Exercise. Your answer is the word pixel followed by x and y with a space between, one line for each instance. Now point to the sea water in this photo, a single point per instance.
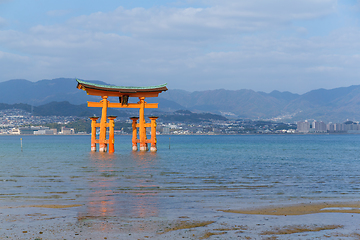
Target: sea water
pixel 187 174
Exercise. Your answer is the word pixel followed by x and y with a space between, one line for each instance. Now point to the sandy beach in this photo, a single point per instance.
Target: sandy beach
pixel 301 221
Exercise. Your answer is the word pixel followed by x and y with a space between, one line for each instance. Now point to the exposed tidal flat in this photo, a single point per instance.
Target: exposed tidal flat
pixel 203 187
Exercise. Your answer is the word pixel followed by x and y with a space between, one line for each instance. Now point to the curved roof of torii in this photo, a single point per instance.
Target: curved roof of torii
pixel 110 90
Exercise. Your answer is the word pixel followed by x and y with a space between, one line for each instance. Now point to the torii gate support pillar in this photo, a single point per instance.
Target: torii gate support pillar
pixel 93 133
pixel 135 140
pixel 104 144
pixel 153 124
pixel 111 133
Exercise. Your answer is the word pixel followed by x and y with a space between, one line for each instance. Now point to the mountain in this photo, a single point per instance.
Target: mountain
pixel 185 116
pixel 67 109
pixel 63 109
pixel 243 103
pixel 56 90
pixel 41 92
pixel 335 105
pixel 287 96
pixel 22 106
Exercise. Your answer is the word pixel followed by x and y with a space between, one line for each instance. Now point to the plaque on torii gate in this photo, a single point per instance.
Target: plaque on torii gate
pixel 138 123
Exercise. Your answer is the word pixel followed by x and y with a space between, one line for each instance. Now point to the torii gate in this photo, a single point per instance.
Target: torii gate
pixel 123 93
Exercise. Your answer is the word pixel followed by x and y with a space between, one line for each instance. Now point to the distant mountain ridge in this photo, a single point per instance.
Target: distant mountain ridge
pixel 335 105
pixel 41 92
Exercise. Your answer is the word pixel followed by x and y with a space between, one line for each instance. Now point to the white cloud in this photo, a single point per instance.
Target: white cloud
pixel 12 62
pixel 58 13
pixel 302 30
pixel 225 17
pixel 324 69
pixel 3 22
pixel 230 44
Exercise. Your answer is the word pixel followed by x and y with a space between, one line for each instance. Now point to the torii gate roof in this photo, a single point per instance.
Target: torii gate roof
pixel 110 90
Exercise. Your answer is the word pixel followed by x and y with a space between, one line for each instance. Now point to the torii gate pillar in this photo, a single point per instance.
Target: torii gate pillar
pixel 153 147
pixel 103 125
pixel 142 129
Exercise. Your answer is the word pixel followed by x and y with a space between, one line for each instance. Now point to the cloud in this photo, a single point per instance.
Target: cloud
pixel 3 22
pixel 58 13
pixel 324 69
pixel 224 17
pixel 12 62
pixel 302 30
pixel 226 44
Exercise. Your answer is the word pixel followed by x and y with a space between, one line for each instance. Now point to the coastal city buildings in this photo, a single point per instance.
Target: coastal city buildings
pixel 318 126
pixel 40 130
pixel 37 130
pixel 321 127
pixel 67 131
pixel 19 122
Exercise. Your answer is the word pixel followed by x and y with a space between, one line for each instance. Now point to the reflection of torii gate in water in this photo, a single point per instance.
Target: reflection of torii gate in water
pixel 123 93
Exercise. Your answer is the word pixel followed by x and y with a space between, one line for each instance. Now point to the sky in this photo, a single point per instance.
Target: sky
pixel 194 45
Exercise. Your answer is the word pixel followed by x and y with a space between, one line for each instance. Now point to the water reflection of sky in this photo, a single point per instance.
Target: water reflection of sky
pixel 117 193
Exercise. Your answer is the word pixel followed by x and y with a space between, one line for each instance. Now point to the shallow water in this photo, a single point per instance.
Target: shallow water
pixel 196 174
pixel 246 168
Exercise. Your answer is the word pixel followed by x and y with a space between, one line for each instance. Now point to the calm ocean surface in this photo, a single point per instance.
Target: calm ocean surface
pixel 196 173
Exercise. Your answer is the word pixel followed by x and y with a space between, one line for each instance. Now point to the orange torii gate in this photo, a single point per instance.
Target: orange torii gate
pixel 123 93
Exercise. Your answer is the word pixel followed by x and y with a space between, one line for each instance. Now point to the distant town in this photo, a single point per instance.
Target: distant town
pixel 20 122
pixel 321 127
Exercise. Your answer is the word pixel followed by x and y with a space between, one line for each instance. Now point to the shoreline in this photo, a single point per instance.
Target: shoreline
pixel 301 221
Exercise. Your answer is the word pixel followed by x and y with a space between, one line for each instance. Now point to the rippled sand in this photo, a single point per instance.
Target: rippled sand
pixel 302 221
pixel 302 209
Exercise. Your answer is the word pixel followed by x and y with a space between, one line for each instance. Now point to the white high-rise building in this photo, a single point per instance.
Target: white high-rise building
pixel 318 127
pixel 303 127
pixel 330 127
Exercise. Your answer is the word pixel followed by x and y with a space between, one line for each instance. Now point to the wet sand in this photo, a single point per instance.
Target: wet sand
pixel 302 209
pixel 301 221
